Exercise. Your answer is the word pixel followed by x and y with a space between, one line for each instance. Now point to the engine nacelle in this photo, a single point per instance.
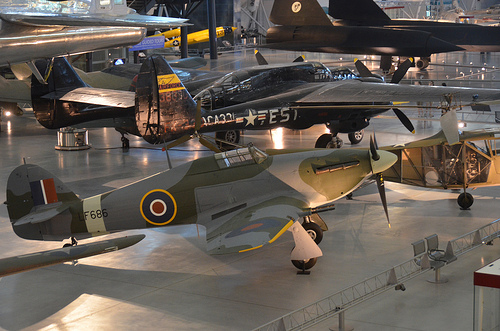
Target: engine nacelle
pixel 423 63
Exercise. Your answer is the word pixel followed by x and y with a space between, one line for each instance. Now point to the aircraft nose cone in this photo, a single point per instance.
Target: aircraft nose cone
pixel 436 45
pixel 387 159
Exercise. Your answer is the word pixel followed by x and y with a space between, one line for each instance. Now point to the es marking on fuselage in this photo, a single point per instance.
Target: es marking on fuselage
pixel 273 116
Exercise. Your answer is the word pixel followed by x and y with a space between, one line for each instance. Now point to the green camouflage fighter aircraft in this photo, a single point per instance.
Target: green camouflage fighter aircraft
pixel 244 198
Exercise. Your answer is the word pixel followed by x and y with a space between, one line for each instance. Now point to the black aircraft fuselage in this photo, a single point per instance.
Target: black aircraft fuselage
pixel 361 27
pixel 269 96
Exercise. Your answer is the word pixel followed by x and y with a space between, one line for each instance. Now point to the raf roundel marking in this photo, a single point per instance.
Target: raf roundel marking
pixel 158 207
pixel 296 6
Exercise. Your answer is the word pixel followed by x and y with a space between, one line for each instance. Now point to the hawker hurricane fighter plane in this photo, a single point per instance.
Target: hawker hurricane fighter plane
pixel 295 96
pixel 244 198
pixel 432 162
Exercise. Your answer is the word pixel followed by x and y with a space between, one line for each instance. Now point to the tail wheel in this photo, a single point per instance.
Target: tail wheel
pixel 465 200
pixel 356 137
pixel 305 265
pixel 314 230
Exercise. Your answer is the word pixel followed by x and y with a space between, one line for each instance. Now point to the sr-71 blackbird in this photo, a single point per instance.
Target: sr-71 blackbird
pixel 244 198
pixel 362 27
pixel 296 96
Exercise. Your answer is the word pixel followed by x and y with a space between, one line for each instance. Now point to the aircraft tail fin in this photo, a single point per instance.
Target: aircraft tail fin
pixel 293 12
pixel 34 196
pixel 357 10
pixel 60 78
pixel 164 109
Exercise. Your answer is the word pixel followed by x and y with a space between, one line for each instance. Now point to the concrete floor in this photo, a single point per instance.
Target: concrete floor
pixel 167 281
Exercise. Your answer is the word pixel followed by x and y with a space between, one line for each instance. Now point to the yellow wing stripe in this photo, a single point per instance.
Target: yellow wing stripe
pixel 249 249
pixel 282 231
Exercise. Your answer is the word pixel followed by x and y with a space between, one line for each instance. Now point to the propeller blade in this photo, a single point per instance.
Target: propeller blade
pixel 209 145
pixel 299 59
pixel 179 141
pixel 197 123
pixel 362 69
pixel 373 149
pixel 404 120
pixel 381 192
pixel 260 58
pixel 402 70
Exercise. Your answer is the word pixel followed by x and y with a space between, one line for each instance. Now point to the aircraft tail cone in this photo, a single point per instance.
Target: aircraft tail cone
pixel 305 247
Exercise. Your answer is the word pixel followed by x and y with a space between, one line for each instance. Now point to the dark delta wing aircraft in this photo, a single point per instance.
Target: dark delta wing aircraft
pixel 244 198
pixel 432 162
pixel 295 96
pixel 362 27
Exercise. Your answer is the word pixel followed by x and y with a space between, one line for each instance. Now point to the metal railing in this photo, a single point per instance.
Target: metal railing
pixel 337 303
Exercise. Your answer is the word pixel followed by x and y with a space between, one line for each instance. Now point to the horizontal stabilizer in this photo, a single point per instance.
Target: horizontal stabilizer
pixel 96 96
pixel 42 213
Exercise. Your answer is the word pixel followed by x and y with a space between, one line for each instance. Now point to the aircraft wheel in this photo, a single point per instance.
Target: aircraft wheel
pixel 465 200
pixel 356 137
pixel 305 265
pixel 314 230
pixel 327 141
pixel 125 143
pixel 232 136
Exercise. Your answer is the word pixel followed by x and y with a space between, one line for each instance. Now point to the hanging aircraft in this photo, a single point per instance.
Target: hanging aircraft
pixel 244 198
pixel 296 96
pixel 173 39
pixel 432 162
pixel 30 30
pixel 362 27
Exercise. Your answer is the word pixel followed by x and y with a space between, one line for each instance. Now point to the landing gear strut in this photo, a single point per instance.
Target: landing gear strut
pixel 231 136
pixel 125 143
pixel 329 140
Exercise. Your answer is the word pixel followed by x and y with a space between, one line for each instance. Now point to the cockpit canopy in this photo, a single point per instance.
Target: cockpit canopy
pixel 247 84
pixel 241 156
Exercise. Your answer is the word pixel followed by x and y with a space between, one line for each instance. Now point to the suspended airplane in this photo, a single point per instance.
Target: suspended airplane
pixel 172 39
pixel 362 27
pixel 296 96
pixel 432 162
pixel 29 31
pixel 244 198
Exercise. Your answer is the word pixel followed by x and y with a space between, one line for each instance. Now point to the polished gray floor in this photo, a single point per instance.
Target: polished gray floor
pixel 167 281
